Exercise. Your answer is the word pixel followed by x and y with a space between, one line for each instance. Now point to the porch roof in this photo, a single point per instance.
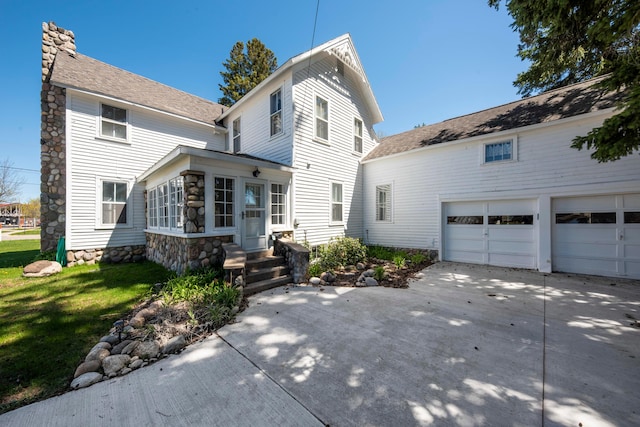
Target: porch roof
pixel 238 159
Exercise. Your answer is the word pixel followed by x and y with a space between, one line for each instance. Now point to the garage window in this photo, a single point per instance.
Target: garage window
pixel 632 217
pixel 469 219
pixel 586 218
pixel 510 219
pixel 498 152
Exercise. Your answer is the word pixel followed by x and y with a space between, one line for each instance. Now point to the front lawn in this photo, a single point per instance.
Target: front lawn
pixel 47 325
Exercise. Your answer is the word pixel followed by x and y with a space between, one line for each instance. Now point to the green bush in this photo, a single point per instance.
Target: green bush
pixel 399 261
pixel 342 251
pixel 315 269
pixel 418 258
pixel 378 273
pixel 380 252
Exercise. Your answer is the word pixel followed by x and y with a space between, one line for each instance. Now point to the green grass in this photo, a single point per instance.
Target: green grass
pixel 47 325
pixel 27 232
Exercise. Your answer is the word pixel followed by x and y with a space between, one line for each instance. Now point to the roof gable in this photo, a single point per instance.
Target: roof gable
pixel 87 74
pixel 342 47
pixel 569 101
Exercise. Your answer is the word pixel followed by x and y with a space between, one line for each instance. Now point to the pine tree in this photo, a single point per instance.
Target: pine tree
pixel 245 70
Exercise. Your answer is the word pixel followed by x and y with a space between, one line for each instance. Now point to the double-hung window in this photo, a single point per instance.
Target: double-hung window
pixel 114 203
pixel 163 205
pixel 383 202
pixel 278 204
pixel 236 135
pixel 322 119
pixel 357 135
pixel 152 207
pixel 276 112
pixel 336 202
pixel 223 204
pixel 113 122
pixel 498 152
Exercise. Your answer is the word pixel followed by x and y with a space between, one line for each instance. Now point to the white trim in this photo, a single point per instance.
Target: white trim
pixel 278 134
pixel 353 132
pixel 514 151
pixel 126 124
pixel 388 203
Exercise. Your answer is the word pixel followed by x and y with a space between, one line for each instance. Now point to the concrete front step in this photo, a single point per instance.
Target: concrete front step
pixel 264 285
pixel 264 262
pixel 257 275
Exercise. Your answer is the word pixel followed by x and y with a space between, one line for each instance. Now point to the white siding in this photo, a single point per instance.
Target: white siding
pixel 89 159
pixel 255 116
pixel 318 163
pixel 546 167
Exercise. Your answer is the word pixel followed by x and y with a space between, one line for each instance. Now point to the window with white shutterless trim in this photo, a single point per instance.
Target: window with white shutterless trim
pixel 336 202
pixel 275 109
pixel 357 135
pixel 321 113
pixel 502 151
pixel 113 203
pixel 383 203
pixel 114 122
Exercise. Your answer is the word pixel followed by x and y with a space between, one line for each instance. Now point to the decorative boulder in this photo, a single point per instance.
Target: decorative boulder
pixel 85 380
pixel 42 268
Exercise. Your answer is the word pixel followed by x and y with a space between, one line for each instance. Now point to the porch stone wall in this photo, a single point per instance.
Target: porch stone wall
pixel 53 139
pixel 296 256
pixel 178 253
pixel 194 212
pixel 113 255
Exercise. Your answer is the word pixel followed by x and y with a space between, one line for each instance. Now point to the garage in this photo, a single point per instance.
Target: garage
pixel 597 235
pixel 501 232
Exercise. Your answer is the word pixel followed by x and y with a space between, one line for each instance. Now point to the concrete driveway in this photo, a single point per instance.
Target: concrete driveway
pixel 464 345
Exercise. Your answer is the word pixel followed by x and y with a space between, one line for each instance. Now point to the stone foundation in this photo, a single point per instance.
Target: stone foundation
pixel 178 253
pixel 296 256
pixel 109 255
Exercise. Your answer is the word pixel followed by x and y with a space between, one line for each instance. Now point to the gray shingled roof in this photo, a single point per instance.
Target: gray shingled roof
pixel 91 75
pixel 557 104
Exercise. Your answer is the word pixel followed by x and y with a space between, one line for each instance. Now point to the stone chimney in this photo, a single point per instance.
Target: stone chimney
pixel 53 168
pixel 54 40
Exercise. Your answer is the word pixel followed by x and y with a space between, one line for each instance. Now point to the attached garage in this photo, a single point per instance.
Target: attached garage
pixel 501 233
pixel 597 235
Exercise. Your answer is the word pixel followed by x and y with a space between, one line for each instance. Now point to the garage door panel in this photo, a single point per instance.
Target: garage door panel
pixel 587 233
pixel 579 204
pixel 506 247
pixel 512 233
pixel 632 269
pixel 473 257
pixel 512 260
pixel 586 265
pixel 594 250
pixel 632 251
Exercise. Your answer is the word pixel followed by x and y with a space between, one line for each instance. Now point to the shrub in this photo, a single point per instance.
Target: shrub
pixel 315 269
pixel 399 261
pixel 380 252
pixel 378 273
pixel 418 258
pixel 343 251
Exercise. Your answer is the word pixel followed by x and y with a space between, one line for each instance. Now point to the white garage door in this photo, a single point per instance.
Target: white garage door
pixel 597 235
pixel 498 233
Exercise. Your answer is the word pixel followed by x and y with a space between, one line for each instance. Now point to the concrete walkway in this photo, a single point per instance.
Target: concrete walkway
pixel 464 345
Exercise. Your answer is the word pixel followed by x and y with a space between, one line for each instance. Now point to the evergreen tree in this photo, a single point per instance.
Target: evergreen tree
pixel 245 70
pixel 569 41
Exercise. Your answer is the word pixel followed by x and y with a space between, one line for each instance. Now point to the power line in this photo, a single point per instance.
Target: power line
pixel 22 169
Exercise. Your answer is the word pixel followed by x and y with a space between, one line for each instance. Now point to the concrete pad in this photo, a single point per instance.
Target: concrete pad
pixel 208 384
pixel 464 345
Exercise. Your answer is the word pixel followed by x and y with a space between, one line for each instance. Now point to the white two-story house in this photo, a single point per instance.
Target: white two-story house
pixel 134 169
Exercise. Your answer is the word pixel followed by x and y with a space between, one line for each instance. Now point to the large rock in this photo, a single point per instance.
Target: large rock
pixel 117 349
pixel 113 364
pixel 42 268
pixel 146 350
pixel 85 380
pixel 175 344
pixel 97 354
pixel 84 367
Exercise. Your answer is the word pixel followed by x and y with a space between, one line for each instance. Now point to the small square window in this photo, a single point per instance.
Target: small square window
pixel 498 152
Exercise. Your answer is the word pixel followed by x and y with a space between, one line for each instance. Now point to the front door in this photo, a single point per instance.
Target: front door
pixel 254 217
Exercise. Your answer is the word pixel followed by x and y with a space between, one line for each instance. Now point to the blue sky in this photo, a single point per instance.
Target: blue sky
pixel 427 60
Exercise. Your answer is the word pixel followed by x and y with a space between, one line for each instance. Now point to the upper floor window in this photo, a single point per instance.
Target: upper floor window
pixel 336 202
pixel 236 135
pixel 114 203
pixel 383 202
pixel 277 204
pixel 322 119
pixel 498 151
pixel 276 112
pixel 357 135
pixel 223 204
pixel 113 122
